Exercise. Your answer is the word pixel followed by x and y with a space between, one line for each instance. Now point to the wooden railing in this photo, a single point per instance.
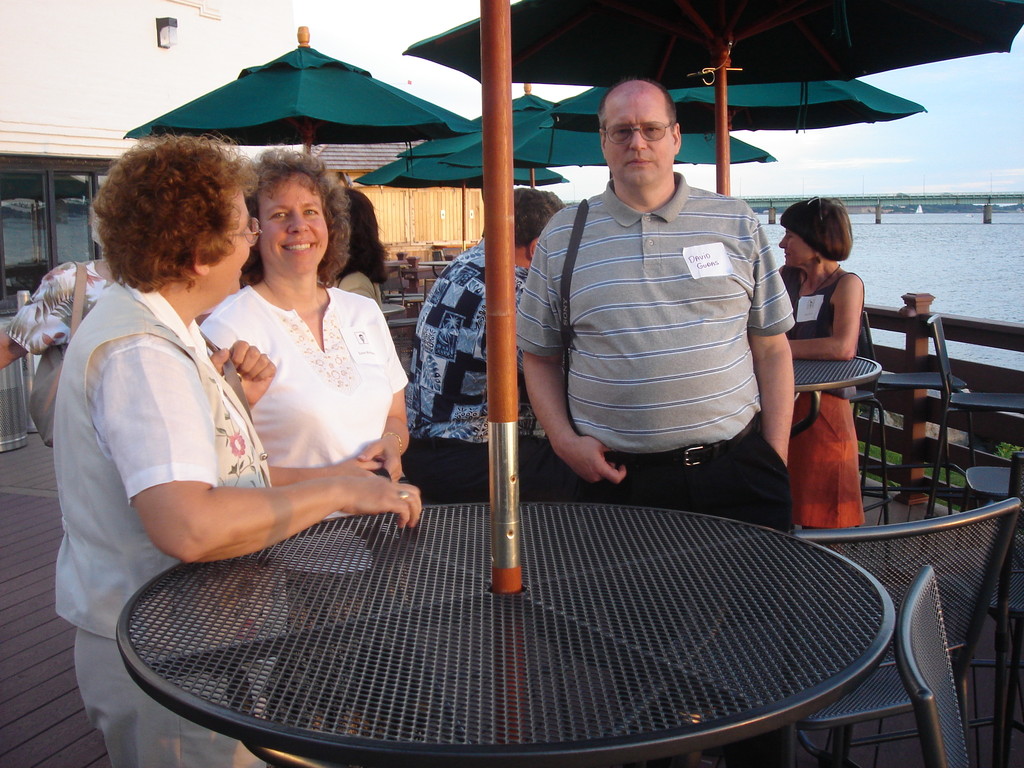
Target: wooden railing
pixel 915 439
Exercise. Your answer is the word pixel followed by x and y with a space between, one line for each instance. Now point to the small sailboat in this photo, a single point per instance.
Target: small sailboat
pixel 919 209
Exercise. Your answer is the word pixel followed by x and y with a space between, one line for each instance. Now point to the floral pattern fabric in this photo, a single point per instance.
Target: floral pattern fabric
pixel 46 320
pixel 333 364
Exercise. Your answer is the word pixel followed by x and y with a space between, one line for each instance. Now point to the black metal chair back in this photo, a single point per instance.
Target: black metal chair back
pixel 865 344
pixel 868 400
pixel 966 550
pixel 949 385
pixel 927 673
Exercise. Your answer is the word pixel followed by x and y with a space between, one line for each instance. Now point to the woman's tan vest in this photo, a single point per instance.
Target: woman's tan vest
pixel 106 555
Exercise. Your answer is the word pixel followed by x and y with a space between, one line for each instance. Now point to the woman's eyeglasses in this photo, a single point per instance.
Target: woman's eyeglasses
pixel 623 134
pixel 252 234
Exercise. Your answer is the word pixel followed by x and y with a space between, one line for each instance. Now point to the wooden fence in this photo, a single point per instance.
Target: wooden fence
pixel 414 220
pixel 914 434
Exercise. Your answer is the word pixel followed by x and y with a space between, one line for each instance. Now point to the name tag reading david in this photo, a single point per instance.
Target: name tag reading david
pixel 707 260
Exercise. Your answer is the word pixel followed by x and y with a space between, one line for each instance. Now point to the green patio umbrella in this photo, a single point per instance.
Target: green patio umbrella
pixel 432 172
pixel 305 97
pixel 539 144
pixel 762 106
pixel 599 42
pixel 525 109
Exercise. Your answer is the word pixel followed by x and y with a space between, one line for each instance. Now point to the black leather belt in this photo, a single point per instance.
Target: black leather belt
pixel 689 456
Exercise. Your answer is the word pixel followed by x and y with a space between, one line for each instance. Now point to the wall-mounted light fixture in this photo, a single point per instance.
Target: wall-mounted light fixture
pixel 166 32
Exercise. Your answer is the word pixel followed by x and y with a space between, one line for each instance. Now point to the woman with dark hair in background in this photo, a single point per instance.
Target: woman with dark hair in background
pixel 827 306
pixel 364 272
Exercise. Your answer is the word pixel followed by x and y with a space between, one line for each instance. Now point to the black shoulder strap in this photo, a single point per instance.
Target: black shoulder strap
pixel 567 268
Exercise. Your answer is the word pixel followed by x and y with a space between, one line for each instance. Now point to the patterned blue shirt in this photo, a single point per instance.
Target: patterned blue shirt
pixel 447 392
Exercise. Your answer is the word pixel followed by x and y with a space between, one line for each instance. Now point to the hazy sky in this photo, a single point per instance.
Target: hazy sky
pixel 971 139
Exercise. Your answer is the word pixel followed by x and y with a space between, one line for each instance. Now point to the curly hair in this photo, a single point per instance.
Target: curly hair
pixel 366 253
pixel 533 208
pixel 279 165
pixel 167 205
pixel 823 224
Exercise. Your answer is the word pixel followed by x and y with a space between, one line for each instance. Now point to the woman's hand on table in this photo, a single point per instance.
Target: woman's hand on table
pixel 374 495
pixel 384 453
pixel 254 368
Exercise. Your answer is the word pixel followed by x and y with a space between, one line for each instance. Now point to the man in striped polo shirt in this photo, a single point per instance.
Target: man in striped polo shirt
pixel 680 382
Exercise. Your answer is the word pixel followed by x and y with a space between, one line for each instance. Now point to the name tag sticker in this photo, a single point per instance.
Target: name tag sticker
pixel 708 260
pixel 358 341
pixel 808 308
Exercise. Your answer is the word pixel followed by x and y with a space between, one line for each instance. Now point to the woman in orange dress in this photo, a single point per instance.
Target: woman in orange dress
pixel 827 306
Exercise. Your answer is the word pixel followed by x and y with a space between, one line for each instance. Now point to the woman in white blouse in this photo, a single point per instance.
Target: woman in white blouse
pixel 339 392
pixel 157 461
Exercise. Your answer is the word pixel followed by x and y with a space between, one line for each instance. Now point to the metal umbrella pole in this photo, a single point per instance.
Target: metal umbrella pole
pixel 502 387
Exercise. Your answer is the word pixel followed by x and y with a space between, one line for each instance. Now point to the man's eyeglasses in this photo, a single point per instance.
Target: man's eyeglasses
pixel 252 234
pixel 623 134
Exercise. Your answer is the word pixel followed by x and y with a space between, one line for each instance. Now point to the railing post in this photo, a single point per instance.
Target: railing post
pixel 913 405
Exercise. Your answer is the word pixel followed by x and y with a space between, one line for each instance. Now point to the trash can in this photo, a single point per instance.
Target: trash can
pixel 13 409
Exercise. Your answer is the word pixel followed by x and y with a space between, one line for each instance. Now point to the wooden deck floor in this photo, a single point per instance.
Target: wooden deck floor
pixel 42 722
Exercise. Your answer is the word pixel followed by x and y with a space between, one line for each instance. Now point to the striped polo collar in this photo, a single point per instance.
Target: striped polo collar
pixel 627 216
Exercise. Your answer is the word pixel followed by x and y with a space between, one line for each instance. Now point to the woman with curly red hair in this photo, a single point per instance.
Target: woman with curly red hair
pixel 157 460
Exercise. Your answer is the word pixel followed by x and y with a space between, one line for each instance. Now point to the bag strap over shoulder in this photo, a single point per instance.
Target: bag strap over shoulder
pixel 231 377
pixel 78 297
pixel 568 265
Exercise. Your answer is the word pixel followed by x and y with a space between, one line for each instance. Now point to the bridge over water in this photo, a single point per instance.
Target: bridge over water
pixel 777 203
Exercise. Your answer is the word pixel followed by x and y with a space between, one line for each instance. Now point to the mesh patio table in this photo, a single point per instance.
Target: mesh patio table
pixel 640 633
pixel 816 376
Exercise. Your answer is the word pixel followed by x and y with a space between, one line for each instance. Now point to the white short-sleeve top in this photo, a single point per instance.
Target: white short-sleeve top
pixel 323 406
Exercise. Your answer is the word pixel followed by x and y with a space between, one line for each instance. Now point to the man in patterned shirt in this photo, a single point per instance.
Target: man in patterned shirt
pixel 446 398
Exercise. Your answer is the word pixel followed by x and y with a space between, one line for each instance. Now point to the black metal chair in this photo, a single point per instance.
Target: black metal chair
pixel 945 383
pixel 889 382
pixel 966 550
pixel 868 400
pixel 403 331
pixel 923 661
pixel 983 482
pixel 1008 610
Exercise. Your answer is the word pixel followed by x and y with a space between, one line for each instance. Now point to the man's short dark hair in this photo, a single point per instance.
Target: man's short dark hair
pixel 670 106
pixel 533 208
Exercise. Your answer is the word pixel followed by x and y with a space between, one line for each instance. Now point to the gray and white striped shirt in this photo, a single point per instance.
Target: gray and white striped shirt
pixel 661 357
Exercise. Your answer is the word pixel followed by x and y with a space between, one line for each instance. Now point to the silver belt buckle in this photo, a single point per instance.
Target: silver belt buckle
pixel 696 460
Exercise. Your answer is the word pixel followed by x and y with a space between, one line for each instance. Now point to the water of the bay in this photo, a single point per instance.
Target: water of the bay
pixel 970 268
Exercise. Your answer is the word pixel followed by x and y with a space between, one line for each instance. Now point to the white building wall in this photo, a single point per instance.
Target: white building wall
pixel 77 75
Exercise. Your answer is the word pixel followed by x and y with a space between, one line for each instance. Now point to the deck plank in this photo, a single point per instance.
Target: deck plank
pixel 42 718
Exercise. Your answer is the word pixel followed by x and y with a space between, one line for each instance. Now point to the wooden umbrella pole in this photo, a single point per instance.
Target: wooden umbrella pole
pixel 722 157
pixel 502 388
